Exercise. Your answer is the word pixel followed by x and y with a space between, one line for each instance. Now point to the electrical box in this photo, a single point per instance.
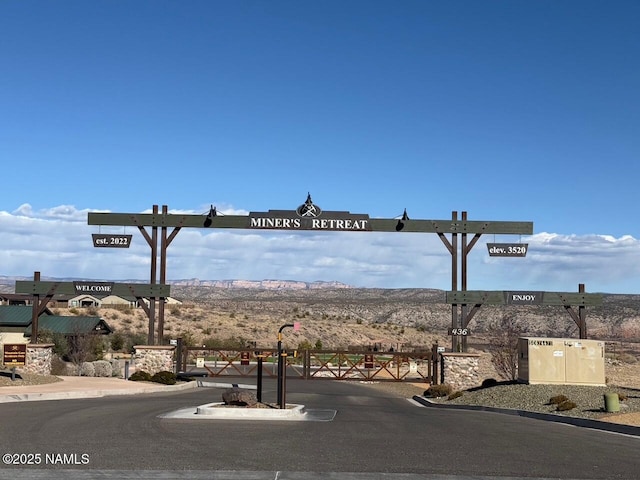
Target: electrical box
pixel 566 361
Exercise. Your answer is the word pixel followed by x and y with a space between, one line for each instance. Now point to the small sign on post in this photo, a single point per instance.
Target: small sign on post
pixel 507 249
pixel 15 354
pixel 101 240
pixel 459 332
pixel 524 298
pixel 244 358
pixel 368 360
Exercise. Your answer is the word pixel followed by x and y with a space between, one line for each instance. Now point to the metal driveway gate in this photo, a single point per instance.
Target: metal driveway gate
pixel 420 366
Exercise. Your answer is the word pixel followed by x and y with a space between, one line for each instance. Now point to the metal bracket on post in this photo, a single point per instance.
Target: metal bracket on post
pixel 282 366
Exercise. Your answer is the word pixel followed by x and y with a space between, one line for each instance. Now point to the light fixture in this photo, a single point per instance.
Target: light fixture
pixel 212 213
pixel 400 224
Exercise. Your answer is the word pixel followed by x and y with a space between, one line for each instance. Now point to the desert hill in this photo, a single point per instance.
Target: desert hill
pixel 336 315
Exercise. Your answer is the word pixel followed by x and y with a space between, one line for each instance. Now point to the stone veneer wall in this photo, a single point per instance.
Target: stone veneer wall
pixel 39 357
pixel 461 370
pixel 154 358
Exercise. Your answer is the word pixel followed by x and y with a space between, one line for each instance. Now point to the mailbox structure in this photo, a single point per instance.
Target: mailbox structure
pixel 563 361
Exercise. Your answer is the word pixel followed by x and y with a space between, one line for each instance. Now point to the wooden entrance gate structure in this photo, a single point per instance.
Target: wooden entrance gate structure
pixel 309 216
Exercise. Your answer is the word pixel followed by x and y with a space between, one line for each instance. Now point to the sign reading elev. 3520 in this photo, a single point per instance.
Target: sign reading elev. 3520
pixel 507 249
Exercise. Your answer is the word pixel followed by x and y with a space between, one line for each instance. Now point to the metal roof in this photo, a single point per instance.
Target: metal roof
pixel 71 325
pixel 18 315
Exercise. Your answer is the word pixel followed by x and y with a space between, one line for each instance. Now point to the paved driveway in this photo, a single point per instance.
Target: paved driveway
pixel 372 436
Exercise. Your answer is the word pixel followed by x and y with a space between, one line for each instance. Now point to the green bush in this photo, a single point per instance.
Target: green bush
pixel 164 377
pixel 87 369
pixel 437 391
pixel 140 376
pixel 117 342
pixel 558 399
pixel 102 368
pixel 566 405
pixel 454 395
pixel 58 366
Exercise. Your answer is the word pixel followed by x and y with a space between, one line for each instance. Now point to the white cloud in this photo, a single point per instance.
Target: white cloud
pixel 57 243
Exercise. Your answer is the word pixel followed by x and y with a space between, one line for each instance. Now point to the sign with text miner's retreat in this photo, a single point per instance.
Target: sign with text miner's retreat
pixel 309 216
pixel 102 240
pixel 15 354
pixel 507 249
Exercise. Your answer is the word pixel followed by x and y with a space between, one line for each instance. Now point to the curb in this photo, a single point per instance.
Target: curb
pixel 578 422
pixel 33 397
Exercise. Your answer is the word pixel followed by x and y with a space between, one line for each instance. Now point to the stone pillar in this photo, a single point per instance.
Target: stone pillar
pixel 38 361
pixel 154 358
pixel 461 370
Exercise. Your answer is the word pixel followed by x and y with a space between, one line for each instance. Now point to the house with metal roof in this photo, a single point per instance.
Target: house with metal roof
pixel 14 319
pixel 15 324
pixel 119 301
pixel 71 326
pixel 86 300
pixel 15 299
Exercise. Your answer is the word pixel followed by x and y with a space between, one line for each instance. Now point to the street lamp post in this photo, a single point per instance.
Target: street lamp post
pixel 282 365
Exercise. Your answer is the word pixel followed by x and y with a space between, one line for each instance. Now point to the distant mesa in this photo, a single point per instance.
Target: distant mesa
pixel 195 282
pixel 259 284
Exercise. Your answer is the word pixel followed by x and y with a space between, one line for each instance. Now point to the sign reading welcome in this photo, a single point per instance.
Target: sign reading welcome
pixel 93 287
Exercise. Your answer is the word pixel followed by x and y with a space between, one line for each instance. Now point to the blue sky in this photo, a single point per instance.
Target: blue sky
pixel 509 110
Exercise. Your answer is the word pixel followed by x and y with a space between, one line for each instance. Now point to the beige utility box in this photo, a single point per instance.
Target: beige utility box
pixel 566 361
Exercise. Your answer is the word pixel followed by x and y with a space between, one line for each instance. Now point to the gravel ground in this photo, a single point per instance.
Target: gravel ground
pixel 25 379
pixel 536 398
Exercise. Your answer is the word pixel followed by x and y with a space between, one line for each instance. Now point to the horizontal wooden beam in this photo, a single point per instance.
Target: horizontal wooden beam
pixel 498 297
pixel 139 290
pixel 244 222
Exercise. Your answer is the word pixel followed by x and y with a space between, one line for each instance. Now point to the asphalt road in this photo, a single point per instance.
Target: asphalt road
pixel 372 436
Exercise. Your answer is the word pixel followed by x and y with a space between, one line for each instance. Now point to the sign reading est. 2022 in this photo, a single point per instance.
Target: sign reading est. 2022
pixel 111 241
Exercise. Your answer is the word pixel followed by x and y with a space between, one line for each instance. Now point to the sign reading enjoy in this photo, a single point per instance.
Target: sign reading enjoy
pixel 523 298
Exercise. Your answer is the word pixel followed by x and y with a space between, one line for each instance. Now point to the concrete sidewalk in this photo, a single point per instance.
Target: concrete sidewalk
pixel 84 387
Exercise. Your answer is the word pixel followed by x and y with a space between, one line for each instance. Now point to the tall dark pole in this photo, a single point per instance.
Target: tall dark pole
pixel 582 315
pixel 282 367
pixel 153 280
pixel 35 311
pixel 454 282
pixel 463 308
pixel 260 356
pixel 163 276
